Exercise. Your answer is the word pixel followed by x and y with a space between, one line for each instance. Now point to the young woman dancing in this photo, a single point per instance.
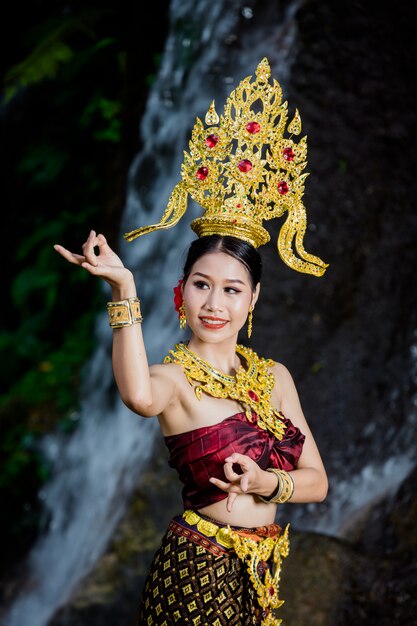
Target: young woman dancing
pixel 231 420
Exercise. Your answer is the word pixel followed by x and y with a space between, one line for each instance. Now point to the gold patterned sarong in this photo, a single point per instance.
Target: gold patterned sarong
pixel 208 573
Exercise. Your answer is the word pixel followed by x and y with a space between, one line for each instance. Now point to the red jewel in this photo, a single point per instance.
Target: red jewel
pixel 253 128
pixel 252 395
pixel 282 188
pixel 212 141
pixel 271 591
pixel 202 173
pixel 245 165
pixel 288 154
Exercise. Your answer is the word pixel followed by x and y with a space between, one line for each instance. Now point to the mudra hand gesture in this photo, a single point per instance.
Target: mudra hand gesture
pixel 248 482
pixel 106 264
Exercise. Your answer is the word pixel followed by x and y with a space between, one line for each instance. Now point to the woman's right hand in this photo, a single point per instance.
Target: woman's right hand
pixel 106 264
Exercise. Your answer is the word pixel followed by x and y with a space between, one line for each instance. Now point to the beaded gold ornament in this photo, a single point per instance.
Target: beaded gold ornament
pixel 242 170
pixel 285 487
pixel 254 552
pixel 252 387
pixel 124 313
pixel 250 321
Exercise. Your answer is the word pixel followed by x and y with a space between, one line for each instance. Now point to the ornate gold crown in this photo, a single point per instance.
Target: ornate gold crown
pixel 242 170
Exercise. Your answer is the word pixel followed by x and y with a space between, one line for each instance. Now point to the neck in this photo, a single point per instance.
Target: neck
pixel 221 356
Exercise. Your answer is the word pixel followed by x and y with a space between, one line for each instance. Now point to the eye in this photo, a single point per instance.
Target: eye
pixel 231 290
pixel 200 284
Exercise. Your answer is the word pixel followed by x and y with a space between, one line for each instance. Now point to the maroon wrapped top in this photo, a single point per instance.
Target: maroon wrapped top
pixel 200 454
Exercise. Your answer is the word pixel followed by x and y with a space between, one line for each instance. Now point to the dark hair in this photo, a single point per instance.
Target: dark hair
pixel 236 248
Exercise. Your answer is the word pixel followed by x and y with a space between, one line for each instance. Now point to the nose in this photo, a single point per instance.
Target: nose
pixel 213 302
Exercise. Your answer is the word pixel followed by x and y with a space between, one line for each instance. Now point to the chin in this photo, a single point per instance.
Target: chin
pixel 214 336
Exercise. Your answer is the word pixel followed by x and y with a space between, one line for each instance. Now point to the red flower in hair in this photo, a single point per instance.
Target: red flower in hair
pixel 178 296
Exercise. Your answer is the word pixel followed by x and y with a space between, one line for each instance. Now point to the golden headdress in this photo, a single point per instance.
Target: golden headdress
pixel 242 170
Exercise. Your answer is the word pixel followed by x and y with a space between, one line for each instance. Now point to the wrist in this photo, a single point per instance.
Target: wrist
pixel 268 484
pixel 124 289
pixel 284 490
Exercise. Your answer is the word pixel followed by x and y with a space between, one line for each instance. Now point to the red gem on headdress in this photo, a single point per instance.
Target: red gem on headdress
pixel 202 172
pixel 178 296
pixel 212 141
pixel 253 396
pixel 283 188
pixel 245 165
pixel 253 127
pixel 288 154
pixel 271 591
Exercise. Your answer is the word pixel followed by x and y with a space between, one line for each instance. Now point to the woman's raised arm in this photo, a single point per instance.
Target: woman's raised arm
pixel 135 380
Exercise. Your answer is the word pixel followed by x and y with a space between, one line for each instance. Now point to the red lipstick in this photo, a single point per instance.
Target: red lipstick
pixel 213 323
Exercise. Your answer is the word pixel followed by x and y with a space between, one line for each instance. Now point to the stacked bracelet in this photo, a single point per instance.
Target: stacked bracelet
pixel 124 313
pixel 285 487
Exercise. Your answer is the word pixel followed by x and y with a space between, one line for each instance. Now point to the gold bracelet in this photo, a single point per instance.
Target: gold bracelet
pixel 284 490
pixel 124 313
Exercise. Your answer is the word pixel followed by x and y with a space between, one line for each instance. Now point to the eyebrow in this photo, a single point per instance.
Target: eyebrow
pixel 227 280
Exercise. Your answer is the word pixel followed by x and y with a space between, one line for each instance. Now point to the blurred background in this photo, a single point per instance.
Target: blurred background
pixel 98 102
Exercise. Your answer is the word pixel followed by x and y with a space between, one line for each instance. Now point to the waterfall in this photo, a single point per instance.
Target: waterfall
pixel 211 46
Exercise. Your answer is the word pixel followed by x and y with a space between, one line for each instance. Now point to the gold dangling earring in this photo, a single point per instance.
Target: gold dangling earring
pixel 250 317
pixel 183 319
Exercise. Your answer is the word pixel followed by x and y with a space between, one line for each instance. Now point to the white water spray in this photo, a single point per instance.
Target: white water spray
pixel 97 468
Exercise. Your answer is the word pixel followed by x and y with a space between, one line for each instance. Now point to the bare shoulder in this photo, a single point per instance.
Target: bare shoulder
pixel 167 384
pixel 284 387
pixel 171 374
pixel 282 374
pixel 171 371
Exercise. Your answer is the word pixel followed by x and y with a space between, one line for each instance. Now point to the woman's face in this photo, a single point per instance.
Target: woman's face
pixel 217 296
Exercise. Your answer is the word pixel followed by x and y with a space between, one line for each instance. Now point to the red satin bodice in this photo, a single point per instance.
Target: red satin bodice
pixel 199 454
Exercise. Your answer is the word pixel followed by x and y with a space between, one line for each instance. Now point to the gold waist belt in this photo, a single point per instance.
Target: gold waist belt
pixel 260 549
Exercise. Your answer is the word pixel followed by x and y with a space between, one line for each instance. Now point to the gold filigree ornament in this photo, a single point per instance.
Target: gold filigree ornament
pixel 254 554
pixel 251 386
pixel 242 170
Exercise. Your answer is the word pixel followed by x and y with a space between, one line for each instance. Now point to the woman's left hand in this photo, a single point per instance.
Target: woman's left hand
pixel 248 482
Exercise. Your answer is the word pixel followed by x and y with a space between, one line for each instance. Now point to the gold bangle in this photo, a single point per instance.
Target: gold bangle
pixel 284 490
pixel 124 313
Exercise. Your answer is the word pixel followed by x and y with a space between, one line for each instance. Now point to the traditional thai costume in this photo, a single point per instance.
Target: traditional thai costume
pixel 206 572
pixel 242 170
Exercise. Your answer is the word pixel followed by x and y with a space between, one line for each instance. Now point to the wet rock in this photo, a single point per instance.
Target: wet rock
pixel 111 593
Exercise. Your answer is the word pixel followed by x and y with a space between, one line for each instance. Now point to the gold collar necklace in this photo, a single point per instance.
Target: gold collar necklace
pixel 251 387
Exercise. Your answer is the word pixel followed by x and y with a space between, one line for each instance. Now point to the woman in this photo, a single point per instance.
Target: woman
pixel 232 421
pixel 221 283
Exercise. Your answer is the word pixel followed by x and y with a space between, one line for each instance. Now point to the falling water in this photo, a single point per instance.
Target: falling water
pixel 96 469
pixel 211 46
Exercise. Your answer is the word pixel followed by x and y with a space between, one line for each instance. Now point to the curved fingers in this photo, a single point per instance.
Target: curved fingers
pixel 241 459
pixel 88 248
pixel 229 487
pixel 220 484
pixel 230 500
pixel 230 474
pixel 77 259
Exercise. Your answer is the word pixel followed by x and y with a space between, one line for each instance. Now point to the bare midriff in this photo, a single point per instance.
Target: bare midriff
pixel 247 511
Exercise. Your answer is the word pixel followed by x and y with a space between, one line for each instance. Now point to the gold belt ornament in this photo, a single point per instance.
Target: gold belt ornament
pixel 221 534
pixel 255 552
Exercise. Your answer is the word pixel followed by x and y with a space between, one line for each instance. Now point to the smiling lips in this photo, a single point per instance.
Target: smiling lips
pixel 214 323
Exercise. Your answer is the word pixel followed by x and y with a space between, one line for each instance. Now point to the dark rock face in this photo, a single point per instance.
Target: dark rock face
pixel 347 338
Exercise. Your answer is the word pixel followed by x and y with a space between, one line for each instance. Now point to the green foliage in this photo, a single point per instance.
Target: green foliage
pixel 105 113
pixel 44 62
pixel 64 103
pixel 43 163
pixel 52 50
pixel 65 144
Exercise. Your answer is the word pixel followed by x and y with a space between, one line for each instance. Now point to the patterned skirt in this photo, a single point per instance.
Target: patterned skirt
pixel 206 573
